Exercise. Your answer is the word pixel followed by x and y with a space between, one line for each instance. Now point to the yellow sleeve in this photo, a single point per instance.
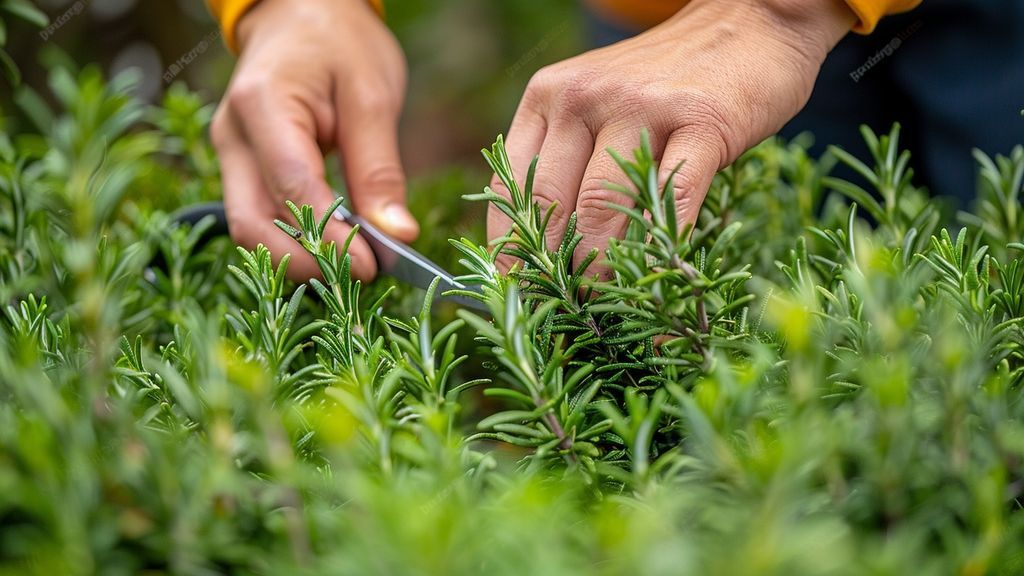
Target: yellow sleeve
pixel 869 12
pixel 229 12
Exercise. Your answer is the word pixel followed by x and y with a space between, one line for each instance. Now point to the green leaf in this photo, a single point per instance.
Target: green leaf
pixel 10 69
pixel 24 10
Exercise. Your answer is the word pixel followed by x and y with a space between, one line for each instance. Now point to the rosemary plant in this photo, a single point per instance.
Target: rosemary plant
pixel 817 378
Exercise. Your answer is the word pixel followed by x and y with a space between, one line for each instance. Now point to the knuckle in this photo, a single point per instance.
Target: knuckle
pixel 247 95
pixel 548 197
pixel 570 90
pixel 688 200
pixel 535 96
pixel 291 180
pixel 689 204
pixel 220 129
pixel 542 80
pixel 373 100
pixel 545 193
pixel 550 191
pixel 383 176
pixel 596 189
pixel 708 124
pixel 578 93
pixel 594 203
pixel 684 182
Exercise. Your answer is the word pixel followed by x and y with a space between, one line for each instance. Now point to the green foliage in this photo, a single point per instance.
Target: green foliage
pixel 16 10
pixel 785 388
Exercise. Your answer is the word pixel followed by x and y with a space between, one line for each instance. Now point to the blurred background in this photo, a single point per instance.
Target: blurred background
pixel 463 86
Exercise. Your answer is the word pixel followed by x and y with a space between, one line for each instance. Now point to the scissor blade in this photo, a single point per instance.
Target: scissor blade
pixel 406 265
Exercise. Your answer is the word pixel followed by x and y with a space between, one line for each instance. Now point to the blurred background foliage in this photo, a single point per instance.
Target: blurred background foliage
pixel 463 86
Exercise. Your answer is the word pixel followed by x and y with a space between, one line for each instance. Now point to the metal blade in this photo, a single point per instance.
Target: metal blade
pixel 406 265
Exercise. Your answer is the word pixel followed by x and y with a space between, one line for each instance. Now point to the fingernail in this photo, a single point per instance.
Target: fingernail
pixel 396 220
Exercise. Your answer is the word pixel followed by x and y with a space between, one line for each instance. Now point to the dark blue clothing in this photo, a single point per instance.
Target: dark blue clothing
pixel 951 72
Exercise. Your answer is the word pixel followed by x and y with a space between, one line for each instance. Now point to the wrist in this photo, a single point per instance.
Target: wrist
pixel 243 29
pixel 277 13
pixel 811 27
pixel 818 24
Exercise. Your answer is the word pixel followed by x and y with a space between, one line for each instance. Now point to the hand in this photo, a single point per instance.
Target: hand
pixel 313 76
pixel 708 84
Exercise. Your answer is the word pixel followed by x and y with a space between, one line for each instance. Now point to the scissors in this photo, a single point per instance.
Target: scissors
pixel 394 258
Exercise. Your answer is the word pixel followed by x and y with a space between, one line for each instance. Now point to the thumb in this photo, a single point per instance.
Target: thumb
pixel 373 171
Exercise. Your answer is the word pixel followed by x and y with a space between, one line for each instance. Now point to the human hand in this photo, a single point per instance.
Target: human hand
pixel 708 84
pixel 313 76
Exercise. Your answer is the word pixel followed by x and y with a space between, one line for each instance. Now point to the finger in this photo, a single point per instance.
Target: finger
pixel 525 137
pixel 597 222
pixel 368 137
pixel 251 210
pixel 697 157
pixel 284 147
pixel 564 157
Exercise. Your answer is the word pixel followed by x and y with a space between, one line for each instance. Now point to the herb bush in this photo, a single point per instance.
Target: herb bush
pixel 820 379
